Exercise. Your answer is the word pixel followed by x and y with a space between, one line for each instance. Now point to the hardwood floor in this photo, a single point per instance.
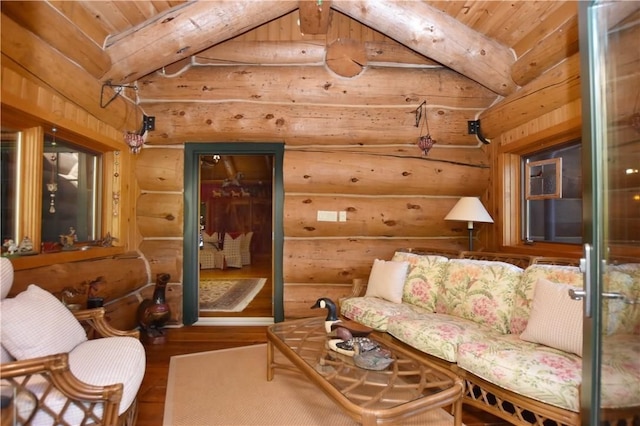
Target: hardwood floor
pixel 199 339
pixel 261 305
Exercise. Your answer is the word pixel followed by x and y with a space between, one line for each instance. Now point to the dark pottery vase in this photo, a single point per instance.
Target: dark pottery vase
pixel 95 302
pixel 153 314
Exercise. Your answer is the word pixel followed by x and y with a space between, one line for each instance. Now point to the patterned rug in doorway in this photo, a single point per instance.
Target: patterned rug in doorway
pixel 228 295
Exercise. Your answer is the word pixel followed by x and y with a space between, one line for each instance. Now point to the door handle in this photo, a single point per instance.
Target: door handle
pixel 585 267
pixel 576 294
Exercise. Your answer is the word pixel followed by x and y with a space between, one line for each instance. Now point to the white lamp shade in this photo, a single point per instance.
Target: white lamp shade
pixel 469 209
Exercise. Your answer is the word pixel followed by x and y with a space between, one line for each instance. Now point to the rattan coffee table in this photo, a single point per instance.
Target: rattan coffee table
pixel 409 386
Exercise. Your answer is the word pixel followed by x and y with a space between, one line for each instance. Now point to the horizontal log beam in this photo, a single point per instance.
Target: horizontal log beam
pixel 380 216
pixel 558 86
pixel 304 52
pixel 66 78
pixel 303 124
pixel 340 260
pixel 438 36
pixel 46 22
pixel 342 173
pixel 549 51
pixel 183 31
pixel 315 84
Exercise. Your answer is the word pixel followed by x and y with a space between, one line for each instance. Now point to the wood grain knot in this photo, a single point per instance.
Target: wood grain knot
pixel 406 174
pixel 390 222
pixel 354 180
pixel 170 217
pixel 413 206
pixel 307 201
pixel 351 209
pixel 309 228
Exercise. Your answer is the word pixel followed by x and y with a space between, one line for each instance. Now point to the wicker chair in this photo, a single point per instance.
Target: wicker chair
pixel 95 381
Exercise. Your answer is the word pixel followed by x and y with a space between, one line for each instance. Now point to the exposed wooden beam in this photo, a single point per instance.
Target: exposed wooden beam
pixel 438 36
pixel 316 85
pixel 553 89
pixel 183 31
pixel 314 16
pixel 550 50
pixel 68 79
pixel 239 52
pixel 50 25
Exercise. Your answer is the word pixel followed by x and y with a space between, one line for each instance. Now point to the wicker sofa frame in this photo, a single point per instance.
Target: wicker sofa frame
pixel 55 369
pixel 479 393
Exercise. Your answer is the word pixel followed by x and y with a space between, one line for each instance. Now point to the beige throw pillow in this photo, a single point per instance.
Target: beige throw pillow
pixel 386 280
pixel 556 319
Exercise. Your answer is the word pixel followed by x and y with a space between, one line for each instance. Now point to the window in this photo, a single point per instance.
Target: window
pixel 70 198
pixel 51 185
pixel 552 188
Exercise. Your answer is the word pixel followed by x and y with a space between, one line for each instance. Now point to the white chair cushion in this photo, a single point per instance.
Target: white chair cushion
pixel 6 277
pixel 111 360
pixel 35 323
pixel 231 249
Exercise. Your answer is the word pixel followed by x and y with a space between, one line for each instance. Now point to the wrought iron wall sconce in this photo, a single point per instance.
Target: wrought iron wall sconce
pixel 117 90
pixel 135 140
pixel 474 129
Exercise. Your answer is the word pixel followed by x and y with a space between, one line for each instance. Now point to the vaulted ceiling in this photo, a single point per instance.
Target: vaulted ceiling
pixel 488 51
pixel 483 40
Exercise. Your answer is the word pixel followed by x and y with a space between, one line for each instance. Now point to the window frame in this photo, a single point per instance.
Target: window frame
pixel 30 194
pixel 510 184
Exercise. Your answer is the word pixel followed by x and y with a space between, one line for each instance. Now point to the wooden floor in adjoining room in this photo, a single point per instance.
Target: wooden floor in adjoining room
pixel 207 338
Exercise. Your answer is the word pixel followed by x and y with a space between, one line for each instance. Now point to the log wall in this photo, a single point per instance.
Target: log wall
pixel 350 143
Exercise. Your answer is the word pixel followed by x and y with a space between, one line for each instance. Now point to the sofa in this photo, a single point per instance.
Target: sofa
pixel 64 367
pixel 508 326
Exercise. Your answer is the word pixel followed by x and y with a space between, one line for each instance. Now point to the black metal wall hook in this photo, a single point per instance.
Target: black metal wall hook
pixel 474 129
pixel 117 88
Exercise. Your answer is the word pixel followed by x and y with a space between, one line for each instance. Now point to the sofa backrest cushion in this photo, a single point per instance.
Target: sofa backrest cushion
pixel 35 323
pixel 481 291
pixel 6 277
pixel 386 280
pixel 569 275
pixel 425 277
pixel 556 319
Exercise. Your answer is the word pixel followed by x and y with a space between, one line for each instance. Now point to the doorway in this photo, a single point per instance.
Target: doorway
pixel 233 234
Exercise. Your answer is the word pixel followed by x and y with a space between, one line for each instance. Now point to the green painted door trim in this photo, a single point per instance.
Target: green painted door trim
pixel 192 152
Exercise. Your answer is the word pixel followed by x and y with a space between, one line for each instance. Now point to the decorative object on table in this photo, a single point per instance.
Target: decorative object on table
pixel 347 347
pixel 10 245
pixel 153 314
pixel 68 240
pixel 93 298
pixel 69 296
pixel 332 321
pixel 107 241
pixel 375 359
pixel 25 246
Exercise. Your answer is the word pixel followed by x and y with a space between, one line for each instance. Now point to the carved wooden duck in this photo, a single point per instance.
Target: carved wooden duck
pixel 376 359
pixel 332 321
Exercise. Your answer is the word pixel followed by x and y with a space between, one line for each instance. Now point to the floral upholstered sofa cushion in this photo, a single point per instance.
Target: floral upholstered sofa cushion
pixel 481 291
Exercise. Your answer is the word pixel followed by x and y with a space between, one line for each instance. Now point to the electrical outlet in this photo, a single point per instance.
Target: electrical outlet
pixel 327 216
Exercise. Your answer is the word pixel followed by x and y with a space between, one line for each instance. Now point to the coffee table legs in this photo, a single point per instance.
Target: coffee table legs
pixel 269 360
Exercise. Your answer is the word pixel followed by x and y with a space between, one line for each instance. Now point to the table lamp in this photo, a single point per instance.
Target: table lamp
pixel 469 209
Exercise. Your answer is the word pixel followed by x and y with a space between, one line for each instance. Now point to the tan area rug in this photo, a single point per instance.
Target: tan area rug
pixel 228 295
pixel 230 387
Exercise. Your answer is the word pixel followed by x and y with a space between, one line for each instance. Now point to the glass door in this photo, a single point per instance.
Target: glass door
pixel 610 76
